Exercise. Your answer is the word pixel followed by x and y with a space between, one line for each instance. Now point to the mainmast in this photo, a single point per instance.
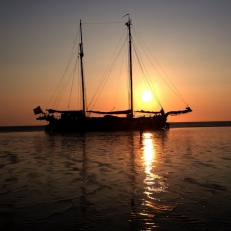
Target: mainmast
pixel 128 24
pixel 81 66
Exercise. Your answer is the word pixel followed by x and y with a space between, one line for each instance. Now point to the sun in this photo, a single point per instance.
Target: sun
pixel 146 96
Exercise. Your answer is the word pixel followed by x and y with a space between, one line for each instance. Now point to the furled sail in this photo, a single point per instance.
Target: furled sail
pixel 76 112
pixel 187 110
pixel 152 112
pixel 112 112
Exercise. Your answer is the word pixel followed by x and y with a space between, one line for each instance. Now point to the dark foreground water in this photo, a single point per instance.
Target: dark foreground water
pixel 167 180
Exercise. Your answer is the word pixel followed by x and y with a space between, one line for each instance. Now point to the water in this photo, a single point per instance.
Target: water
pixel 166 180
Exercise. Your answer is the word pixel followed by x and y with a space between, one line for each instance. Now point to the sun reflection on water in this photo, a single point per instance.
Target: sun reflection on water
pixel 153 182
pixel 148 152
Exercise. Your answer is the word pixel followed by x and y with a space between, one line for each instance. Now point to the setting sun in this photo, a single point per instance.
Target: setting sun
pixel 146 96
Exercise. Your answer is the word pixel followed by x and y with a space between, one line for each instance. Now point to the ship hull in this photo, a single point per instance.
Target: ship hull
pixel 107 123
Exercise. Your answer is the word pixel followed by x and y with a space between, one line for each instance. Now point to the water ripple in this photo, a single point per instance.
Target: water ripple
pixel 165 180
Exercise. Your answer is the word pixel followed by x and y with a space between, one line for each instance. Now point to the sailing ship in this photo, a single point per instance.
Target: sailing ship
pixel 78 121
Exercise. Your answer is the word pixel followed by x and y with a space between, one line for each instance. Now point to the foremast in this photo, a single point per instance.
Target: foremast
pixel 128 24
pixel 81 54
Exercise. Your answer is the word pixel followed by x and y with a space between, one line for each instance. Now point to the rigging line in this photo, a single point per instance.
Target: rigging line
pixel 153 66
pixel 148 82
pixel 60 90
pixel 106 75
pixel 102 79
pixel 177 117
pixel 64 89
pixel 72 81
pixel 68 64
pixel 144 76
pixel 112 66
pixel 119 79
pixel 112 109
pixel 64 74
pixel 65 81
pixel 101 22
pixel 175 91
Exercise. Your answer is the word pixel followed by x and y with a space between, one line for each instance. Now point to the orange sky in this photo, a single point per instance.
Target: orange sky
pixel 191 42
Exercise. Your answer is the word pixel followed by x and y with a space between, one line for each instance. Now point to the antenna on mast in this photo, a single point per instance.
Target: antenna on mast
pixel 125 15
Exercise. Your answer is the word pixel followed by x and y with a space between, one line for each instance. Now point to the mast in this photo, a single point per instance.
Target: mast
pixel 128 24
pixel 81 66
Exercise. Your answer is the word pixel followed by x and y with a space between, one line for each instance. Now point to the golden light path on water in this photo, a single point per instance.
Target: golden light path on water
pixel 164 180
pixel 149 159
pixel 154 185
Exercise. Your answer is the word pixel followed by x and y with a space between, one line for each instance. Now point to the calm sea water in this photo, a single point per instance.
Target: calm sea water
pixel 166 180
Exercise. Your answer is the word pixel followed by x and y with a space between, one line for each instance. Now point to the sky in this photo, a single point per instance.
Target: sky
pixel 189 39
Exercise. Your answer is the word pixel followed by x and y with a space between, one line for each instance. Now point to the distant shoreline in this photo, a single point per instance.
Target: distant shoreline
pixel 200 124
pixel 36 128
pixel 28 128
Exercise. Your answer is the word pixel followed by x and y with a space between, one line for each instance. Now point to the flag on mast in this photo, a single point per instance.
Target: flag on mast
pixel 37 110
